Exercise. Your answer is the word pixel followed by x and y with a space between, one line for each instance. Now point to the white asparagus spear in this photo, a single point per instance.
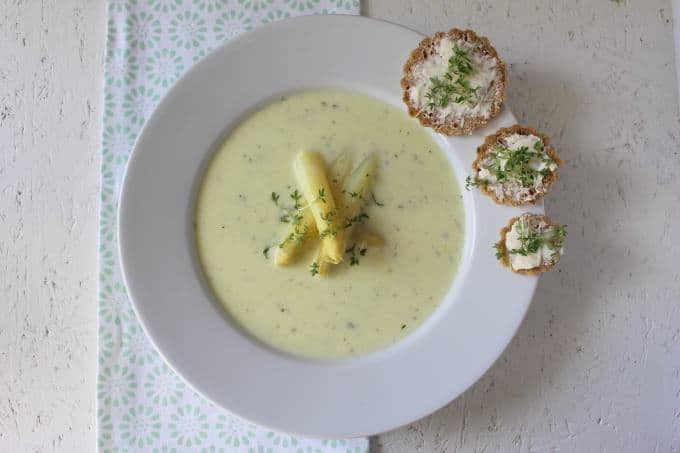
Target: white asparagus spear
pixel 302 227
pixel 355 192
pixel 293 241
pixel 350 200
pixel 338 172
pixel 313 181
pixel 362 236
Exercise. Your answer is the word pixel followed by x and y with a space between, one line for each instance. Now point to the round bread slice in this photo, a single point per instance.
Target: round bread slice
pixel 522 235
pixel 454 82
pixel 515 166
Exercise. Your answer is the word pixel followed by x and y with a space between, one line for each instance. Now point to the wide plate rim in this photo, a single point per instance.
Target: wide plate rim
pixel 341 423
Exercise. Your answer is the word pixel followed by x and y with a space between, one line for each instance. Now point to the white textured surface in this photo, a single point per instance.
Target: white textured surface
pixel 50 78
pixel 594 367
pixel 676 35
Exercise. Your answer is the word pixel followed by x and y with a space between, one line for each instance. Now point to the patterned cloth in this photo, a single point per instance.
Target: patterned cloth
pixel 142 404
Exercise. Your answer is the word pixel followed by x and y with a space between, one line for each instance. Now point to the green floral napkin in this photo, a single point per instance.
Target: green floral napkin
pixel 142 404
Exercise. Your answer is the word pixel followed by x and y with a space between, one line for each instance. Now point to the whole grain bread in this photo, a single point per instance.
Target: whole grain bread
pixel 502 250
pixel 491 140
pixel 453 126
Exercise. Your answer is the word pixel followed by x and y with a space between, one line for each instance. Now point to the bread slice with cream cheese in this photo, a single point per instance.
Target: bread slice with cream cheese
pixel 515 166
pixel 530 244
pixel 454 82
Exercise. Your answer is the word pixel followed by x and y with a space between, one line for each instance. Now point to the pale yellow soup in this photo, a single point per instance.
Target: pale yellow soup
pixel 356 309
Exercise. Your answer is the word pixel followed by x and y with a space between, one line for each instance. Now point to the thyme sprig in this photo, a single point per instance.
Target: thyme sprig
pixel 354 254
pixel 322 195
pixel 358 195
pixel 294 216
pixel 377 203
pixel 296 196
pixel 329 218
pixel 356 219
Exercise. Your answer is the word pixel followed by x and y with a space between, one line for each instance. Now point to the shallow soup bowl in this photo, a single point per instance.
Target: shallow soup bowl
pixel 368 394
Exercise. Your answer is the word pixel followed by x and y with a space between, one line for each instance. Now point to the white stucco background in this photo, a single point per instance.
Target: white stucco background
pixel 594 367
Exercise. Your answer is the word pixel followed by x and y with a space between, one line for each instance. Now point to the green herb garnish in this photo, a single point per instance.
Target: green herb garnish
pixel 289 213
pixel 322 195
pixel 353 194
pixel 265 252
pixel 556 241
pixel 330 231
pixel 454 86
pixel 353 259
pixel 296 196
pixel 499 254
pixel 288 239
pixel 353 251
pixel 509 165
pixel 474 182
pixel 356 219
pixel 532 240
pixel 298 235
pixel 328 218
pixel 301 234
pixel 314 268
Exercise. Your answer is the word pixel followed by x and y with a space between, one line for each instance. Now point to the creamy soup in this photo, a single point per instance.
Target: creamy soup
pixel 360 306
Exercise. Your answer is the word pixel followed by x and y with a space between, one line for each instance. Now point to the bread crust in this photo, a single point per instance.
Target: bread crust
pixel 452 126
pixel 482 150
pixel 505 259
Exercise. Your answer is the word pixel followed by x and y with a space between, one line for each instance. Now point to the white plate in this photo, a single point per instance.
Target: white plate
pixel 343 398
